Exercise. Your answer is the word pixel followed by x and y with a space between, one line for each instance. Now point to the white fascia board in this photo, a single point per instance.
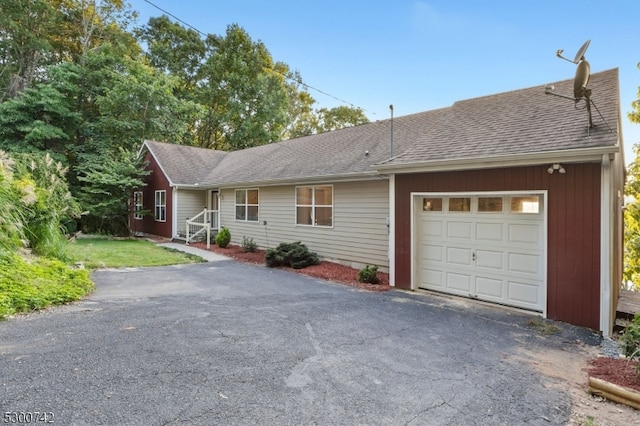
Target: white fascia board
pixel 528 159
pixel 193 186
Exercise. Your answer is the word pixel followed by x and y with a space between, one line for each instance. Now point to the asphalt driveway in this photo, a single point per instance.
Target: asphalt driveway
pixel 229 343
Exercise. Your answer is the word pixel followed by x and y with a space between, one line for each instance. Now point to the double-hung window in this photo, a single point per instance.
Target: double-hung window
pixel 160 211
pixel 314 205
pixel 247 205
pixel 137 204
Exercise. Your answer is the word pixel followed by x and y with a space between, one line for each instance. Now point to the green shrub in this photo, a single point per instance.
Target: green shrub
pixel 630 341
pixel 368 274
pixel 223 238
pixel 295 255
pixel 27 285
pixel 248 245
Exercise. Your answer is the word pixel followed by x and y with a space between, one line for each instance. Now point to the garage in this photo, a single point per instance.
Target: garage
pixel 486 246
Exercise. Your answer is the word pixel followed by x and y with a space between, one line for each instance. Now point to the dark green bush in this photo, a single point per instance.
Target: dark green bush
pixel 223 238
pixel 295 255
pixel 630 341
pixel 248 245
pixel 368 274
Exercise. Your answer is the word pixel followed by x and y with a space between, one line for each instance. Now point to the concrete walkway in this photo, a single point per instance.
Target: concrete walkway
pixel 209 256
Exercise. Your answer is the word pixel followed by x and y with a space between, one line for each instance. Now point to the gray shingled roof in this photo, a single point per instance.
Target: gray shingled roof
pixel 517 122
pixel 184 165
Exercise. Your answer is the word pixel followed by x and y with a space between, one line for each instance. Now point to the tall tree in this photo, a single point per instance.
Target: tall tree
pixel 245 96
pixel 43 117
pixel 25 27
pixel 632 210
pixel 108 185
pixel 87 24
pixel 339 117
pixel 175 50
pixel 140 103
pixel 301 117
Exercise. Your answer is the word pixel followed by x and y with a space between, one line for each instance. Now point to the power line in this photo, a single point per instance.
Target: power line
pixel 299 81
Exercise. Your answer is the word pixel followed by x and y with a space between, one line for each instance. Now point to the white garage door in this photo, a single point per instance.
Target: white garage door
pixel 489 247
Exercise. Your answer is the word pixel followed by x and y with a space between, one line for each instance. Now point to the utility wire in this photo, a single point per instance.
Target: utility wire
pixel 299 81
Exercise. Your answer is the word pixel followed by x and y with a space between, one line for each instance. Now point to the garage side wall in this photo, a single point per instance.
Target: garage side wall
pixel 573 234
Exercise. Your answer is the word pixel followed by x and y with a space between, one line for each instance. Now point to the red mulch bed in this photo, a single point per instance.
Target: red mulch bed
pixel 619 371
pixel 325 270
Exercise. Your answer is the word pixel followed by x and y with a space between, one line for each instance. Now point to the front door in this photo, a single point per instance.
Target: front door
pixel 214 207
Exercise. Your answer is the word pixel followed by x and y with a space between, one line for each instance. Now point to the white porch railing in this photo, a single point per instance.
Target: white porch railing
pixel 202 224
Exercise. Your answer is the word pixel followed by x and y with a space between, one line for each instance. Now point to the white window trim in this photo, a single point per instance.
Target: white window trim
pixel 161 206
pixel 313 206
pixel 246 205
pixel 138 204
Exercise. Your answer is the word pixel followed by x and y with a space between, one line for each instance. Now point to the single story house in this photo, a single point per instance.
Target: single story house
pixel 510 198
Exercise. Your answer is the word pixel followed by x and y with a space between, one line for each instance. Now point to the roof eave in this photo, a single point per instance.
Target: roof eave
pixel 300 180
pixel 153 154
pixel 516 160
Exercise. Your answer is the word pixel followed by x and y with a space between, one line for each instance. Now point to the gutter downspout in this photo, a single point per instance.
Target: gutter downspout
pixel 174 211
pixel 606 235
pixel 392 230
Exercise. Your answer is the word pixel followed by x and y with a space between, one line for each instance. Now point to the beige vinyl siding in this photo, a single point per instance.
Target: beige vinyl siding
pixel 359 235
pixel 190 203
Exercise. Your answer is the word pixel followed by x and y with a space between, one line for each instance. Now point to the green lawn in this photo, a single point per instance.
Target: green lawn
pixel 33 283
pixel 97 252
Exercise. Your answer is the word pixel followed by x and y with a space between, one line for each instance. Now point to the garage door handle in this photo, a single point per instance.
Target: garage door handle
pixel 473 256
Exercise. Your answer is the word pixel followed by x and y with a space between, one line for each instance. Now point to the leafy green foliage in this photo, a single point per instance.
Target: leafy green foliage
pixel 46 202
pixel 295 255
pixel 630 341
pixel 25 42
pixel 12 216
pixel 27 285
pixel 106 194
pixel 34 201
pixel 39 118
pixel 246 100
pixel 368 274
pixel 223 238
pixel 140 104
pixel 338 118
pixel 632 211
pixel 632 223
pixel 175 50
pixel 248 245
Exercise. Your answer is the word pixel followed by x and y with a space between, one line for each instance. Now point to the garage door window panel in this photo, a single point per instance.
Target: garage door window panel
pixel 490 204
pixel 432 204
pixel 460 204
pixel 525 205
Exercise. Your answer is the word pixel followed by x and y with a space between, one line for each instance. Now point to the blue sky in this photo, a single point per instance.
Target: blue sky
pixel 422 55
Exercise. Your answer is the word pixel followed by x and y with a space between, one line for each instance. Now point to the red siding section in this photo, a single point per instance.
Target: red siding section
pixel 573 234
pixel 156 181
